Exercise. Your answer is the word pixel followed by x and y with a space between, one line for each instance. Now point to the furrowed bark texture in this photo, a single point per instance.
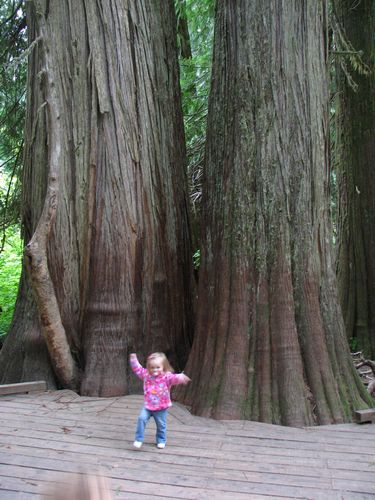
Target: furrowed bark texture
pixel 270 342
pixel 119 253
pixel 355 154
pixel 36 260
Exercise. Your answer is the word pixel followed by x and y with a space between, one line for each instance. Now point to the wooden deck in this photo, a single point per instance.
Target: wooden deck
pixel 45 437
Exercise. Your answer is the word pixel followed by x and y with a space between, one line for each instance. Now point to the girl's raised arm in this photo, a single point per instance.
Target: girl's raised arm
pixel 179 378
pixel 136 366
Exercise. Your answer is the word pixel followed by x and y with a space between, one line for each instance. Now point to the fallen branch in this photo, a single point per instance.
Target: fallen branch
pixel 367 376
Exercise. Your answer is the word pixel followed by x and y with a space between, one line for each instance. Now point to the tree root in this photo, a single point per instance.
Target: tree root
pixel 366 370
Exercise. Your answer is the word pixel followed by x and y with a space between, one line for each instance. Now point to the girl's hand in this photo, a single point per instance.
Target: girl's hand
pixel 184 379
pixel 132 355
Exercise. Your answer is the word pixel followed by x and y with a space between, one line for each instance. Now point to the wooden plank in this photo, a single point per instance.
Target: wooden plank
pixel 355 486
pixel 177 438
pixel 151 469
pixel 364 416
pixel 225 469
pixel 148 471
pixel 18 495
pixel 21 485
pixel 49 434
pixel 175 455
pixel 96 429
pixel 340 429
pixel 199 446
pixel 21 489
pixel 38 385
pixel 314 434
pixel 184 485
pixel 109 459
pixel 69 460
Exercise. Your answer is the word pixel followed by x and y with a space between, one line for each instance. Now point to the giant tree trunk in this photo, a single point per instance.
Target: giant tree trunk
pixel 355 154
pixel 119 250
pixel 270 342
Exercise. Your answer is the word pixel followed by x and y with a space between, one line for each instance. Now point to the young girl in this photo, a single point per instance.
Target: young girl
pixel 157 378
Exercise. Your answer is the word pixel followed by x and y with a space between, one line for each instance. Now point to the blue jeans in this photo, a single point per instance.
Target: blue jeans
pixel 160 418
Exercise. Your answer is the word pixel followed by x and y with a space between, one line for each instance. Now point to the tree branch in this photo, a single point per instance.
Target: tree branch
pixel 36 250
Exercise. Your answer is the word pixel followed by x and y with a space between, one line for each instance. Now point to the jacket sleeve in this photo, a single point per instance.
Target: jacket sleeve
pixel 138 368
pixel 175 379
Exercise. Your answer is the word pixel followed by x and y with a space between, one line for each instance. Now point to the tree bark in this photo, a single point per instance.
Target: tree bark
pixel 36 260
pixel 183 31
pixel 270 342
pixel 355 150
pixel 119 250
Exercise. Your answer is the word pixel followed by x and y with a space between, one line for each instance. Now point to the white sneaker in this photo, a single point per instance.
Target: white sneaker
pixel 161 445
pixel 137 444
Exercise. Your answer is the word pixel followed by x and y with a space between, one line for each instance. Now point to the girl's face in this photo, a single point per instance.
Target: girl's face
pixel 155 367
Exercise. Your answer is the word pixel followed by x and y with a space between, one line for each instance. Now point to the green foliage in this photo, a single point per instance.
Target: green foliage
pixel 12 108
pixel 10 269
pixel 195 73
pixel 350 59
pixel 13 67
pixel 353 344
pixel 197 259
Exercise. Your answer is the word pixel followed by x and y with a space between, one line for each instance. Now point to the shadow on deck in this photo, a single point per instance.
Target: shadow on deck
pixel 45 437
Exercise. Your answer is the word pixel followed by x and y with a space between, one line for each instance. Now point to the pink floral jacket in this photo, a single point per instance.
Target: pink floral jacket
pixel 156 389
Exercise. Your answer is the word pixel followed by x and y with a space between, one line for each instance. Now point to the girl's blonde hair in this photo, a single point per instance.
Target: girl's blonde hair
pixel 160 355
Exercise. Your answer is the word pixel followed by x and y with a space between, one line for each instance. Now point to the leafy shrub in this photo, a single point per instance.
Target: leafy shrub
pixel 10 270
